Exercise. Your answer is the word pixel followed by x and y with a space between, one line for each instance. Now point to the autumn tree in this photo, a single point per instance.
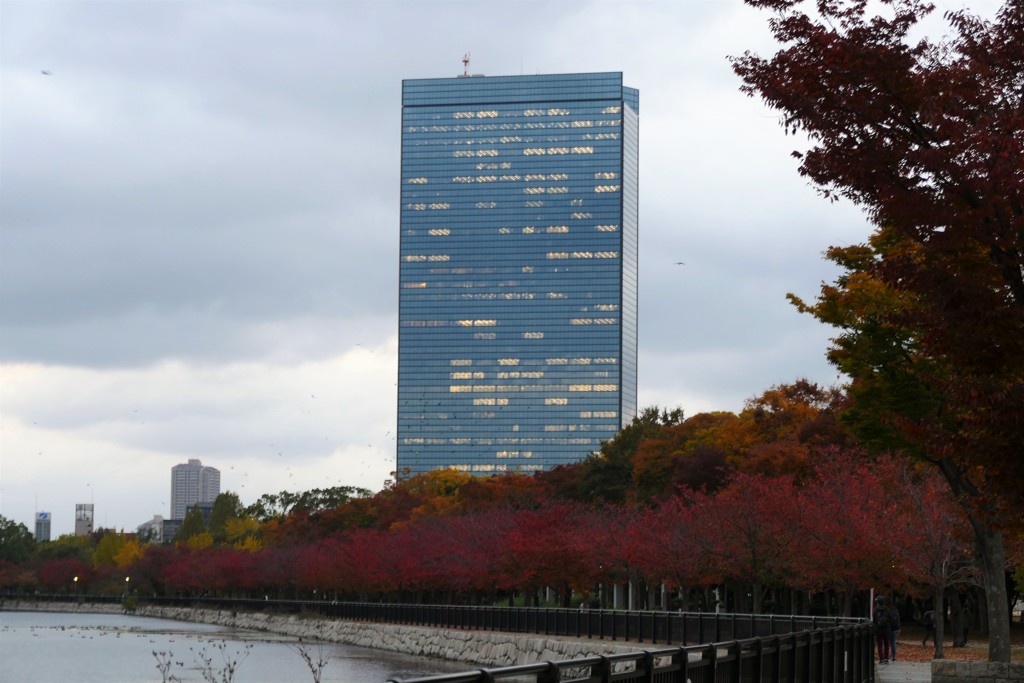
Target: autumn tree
pixel 226 507
pixel 789 425
pixel 937 553
pixel 552 546
pixel 240 531
pixel 852 527
pixel 148 571
pixel 507 490
pixel 748 533
pixel 107 548
pixel 129 553
pixel 926 135
pixel 660 543
pixel 60 575
pixel 606 476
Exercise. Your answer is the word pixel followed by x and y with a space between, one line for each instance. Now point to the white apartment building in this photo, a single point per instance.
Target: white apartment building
pixel 192 483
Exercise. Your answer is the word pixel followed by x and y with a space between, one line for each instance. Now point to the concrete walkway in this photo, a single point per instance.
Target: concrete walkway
pixel 900 672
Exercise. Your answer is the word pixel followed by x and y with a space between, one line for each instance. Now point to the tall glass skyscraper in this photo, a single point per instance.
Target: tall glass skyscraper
pixel 517 340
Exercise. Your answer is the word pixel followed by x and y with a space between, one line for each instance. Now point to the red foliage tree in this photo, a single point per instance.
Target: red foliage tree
pixel 937 552
pixel 852 525
pixel 748 532
pixel 927 137
pixel 59 575
pixel 553 546
pixel 360 561
pixel 662 545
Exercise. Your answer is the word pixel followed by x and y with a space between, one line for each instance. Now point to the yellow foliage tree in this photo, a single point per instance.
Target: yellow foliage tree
pixel 200 541
pixel 107 548
pixel 238 528
pixel 130 552
pixel 250 544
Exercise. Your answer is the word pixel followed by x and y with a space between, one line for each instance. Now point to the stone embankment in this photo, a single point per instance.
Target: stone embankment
pixel 953 671
pixel 483 648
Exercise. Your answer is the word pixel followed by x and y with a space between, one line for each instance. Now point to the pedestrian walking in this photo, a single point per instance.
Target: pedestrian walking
pixel 929 627
pixel 893 614
pixel 883 630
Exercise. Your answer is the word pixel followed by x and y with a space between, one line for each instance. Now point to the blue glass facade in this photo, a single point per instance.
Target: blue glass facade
pixel 518 277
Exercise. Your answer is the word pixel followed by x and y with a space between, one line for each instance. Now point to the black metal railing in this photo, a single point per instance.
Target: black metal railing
pixel 833 655
pixel 670 628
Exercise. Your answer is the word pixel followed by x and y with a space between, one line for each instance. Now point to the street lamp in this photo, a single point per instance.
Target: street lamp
pixel 76 589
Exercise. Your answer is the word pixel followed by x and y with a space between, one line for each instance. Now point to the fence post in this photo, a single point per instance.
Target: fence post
pixel 551 674
pixel 755 675
pixel 648 661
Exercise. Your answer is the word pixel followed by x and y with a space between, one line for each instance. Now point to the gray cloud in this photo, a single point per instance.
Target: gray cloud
pixel 199 213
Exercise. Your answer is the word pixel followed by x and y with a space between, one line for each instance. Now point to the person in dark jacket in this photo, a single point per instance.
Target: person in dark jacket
pixel 893 615
pixel 883 629
pixel 929 627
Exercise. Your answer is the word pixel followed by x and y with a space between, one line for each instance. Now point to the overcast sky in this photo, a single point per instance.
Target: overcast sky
pixel 199 246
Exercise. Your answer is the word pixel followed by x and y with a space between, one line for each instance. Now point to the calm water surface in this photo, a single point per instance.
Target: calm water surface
pixel 51 647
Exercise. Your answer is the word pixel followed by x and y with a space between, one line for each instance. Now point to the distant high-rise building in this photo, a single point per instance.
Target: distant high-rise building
pixel 84 513
pixel 152 531
pixel 192 483
pixel 517 341
pixel 42 527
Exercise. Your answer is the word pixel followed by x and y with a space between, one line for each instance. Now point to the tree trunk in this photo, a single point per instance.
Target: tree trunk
pixel 940 623
pixel 757 595
pixel 991 560
pixel 956 616
pixel 846 598
pixel 992 557
pixel 980 622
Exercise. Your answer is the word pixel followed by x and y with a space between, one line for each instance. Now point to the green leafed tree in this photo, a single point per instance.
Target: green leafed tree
pixel 608 475
pixel 107 548
pixel 192 525
pixel 67 546
pixel 927 135
pixel 16 542
pixel 226 506
pixel 279 505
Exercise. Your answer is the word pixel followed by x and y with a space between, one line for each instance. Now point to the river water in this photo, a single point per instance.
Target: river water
pixel 53 647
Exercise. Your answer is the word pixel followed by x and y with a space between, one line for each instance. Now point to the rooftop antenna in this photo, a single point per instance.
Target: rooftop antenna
pixel 465 64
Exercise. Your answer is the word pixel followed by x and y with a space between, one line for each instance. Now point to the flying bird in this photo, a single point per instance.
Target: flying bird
pixel 46 73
